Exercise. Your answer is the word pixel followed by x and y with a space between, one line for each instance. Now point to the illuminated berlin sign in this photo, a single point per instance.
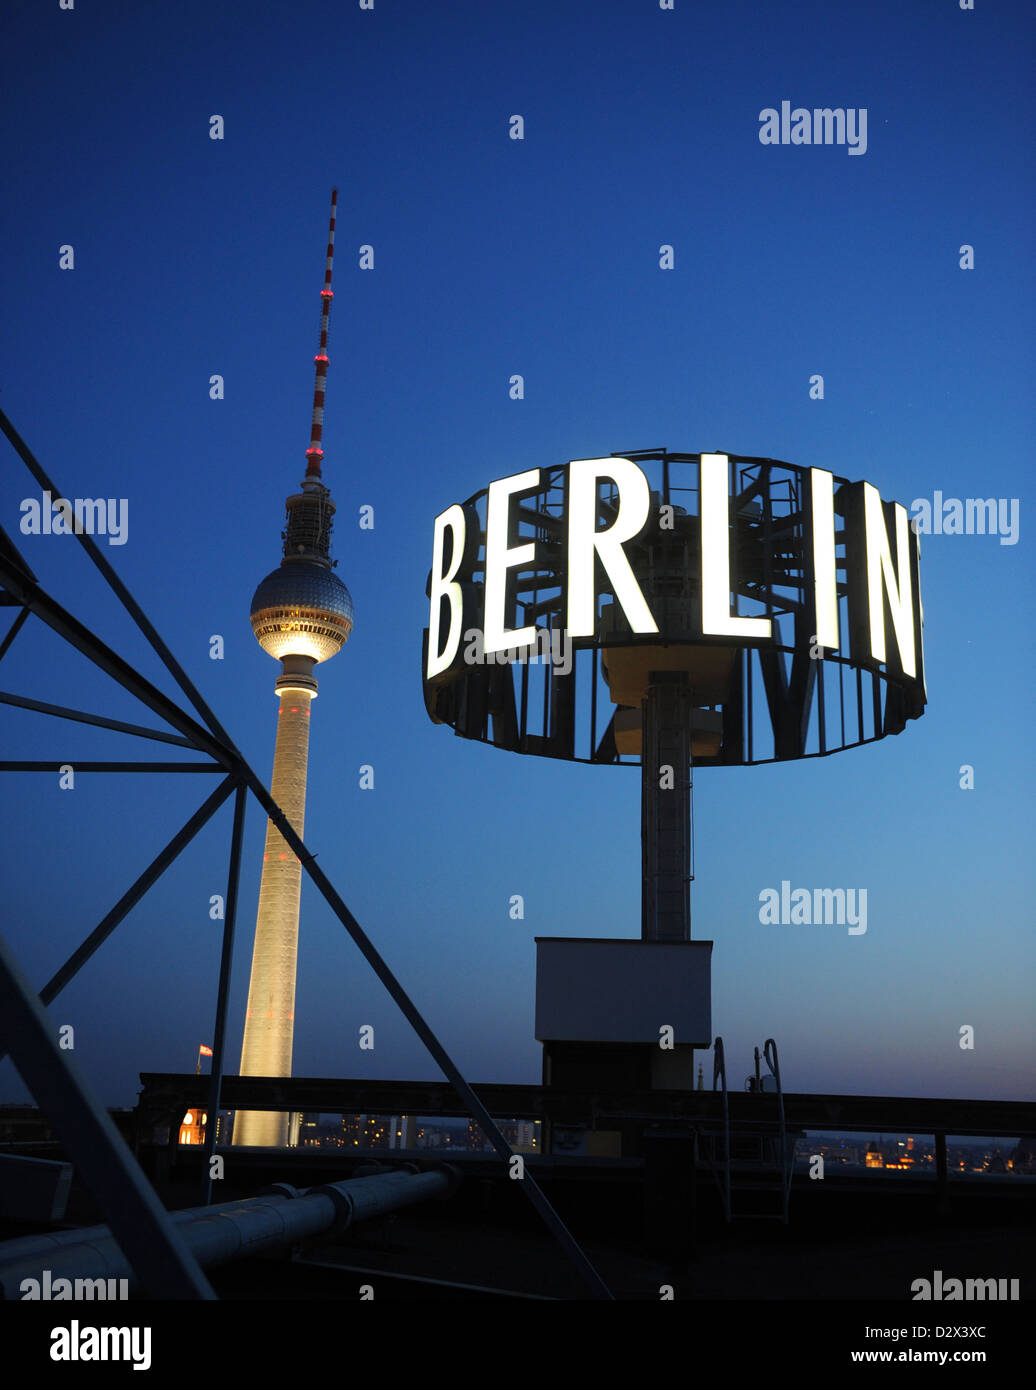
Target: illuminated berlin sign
pixel 786 596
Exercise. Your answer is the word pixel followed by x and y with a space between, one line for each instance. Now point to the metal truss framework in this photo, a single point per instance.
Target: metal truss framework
pixel 163 1264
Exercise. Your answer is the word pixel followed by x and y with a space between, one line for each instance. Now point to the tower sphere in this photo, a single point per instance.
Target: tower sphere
pixel 302 609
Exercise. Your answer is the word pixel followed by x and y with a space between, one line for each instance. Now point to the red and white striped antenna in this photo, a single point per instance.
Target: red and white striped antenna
pixel 315 454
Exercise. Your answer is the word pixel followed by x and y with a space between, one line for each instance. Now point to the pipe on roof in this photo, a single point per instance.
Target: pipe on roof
pixel 216 1235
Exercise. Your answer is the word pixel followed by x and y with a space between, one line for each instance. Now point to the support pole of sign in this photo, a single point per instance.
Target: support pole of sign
pixel 666 808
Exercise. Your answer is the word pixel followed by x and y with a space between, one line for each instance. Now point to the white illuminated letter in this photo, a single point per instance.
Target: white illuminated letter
pixel 920 614
pixel 445 586
pixel 499 559
pixel 634 503
pixel 716 618
pixel 882 578
pixel 825 591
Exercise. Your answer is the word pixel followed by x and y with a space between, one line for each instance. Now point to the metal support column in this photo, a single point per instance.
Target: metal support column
pixel 666 808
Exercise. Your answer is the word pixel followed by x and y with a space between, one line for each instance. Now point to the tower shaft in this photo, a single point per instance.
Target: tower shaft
pixel 270 1017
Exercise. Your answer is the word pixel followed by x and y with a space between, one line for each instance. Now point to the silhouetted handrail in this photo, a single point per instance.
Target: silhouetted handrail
pixel 719 1072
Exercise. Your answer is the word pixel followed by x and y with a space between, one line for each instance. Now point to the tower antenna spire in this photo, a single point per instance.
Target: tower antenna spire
pixel 315 453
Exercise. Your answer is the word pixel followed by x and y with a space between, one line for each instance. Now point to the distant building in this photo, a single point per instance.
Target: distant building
pixel 192 1127
pixel 1023 1157
pixel 522 1135
pixel 309 1132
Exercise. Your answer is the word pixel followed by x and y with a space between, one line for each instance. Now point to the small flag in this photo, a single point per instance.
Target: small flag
pixel 204 1051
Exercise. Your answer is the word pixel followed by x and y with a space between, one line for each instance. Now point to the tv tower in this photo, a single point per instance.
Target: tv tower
pixel 302 613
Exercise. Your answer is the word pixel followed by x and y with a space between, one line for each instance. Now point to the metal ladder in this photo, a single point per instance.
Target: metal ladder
pixel 722 1173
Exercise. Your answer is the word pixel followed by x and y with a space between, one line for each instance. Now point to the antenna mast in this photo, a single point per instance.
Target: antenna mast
pixel 315 454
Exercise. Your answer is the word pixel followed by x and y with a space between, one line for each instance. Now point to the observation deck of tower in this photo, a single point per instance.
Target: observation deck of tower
pixel 301 614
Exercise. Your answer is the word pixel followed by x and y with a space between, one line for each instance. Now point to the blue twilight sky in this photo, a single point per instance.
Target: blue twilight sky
pixel 541 257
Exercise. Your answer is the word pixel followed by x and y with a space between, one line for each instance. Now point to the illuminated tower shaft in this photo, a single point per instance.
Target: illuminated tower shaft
pixel 302 613
pixel 270 1017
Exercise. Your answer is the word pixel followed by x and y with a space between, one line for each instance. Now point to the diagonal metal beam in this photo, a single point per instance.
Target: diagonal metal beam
pixel 223 990
pixel 133 895
pixel 115 583
pixel 138 1221
pixel 81 717
pixel 12 553
pixel 13 631
pixel 77 635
